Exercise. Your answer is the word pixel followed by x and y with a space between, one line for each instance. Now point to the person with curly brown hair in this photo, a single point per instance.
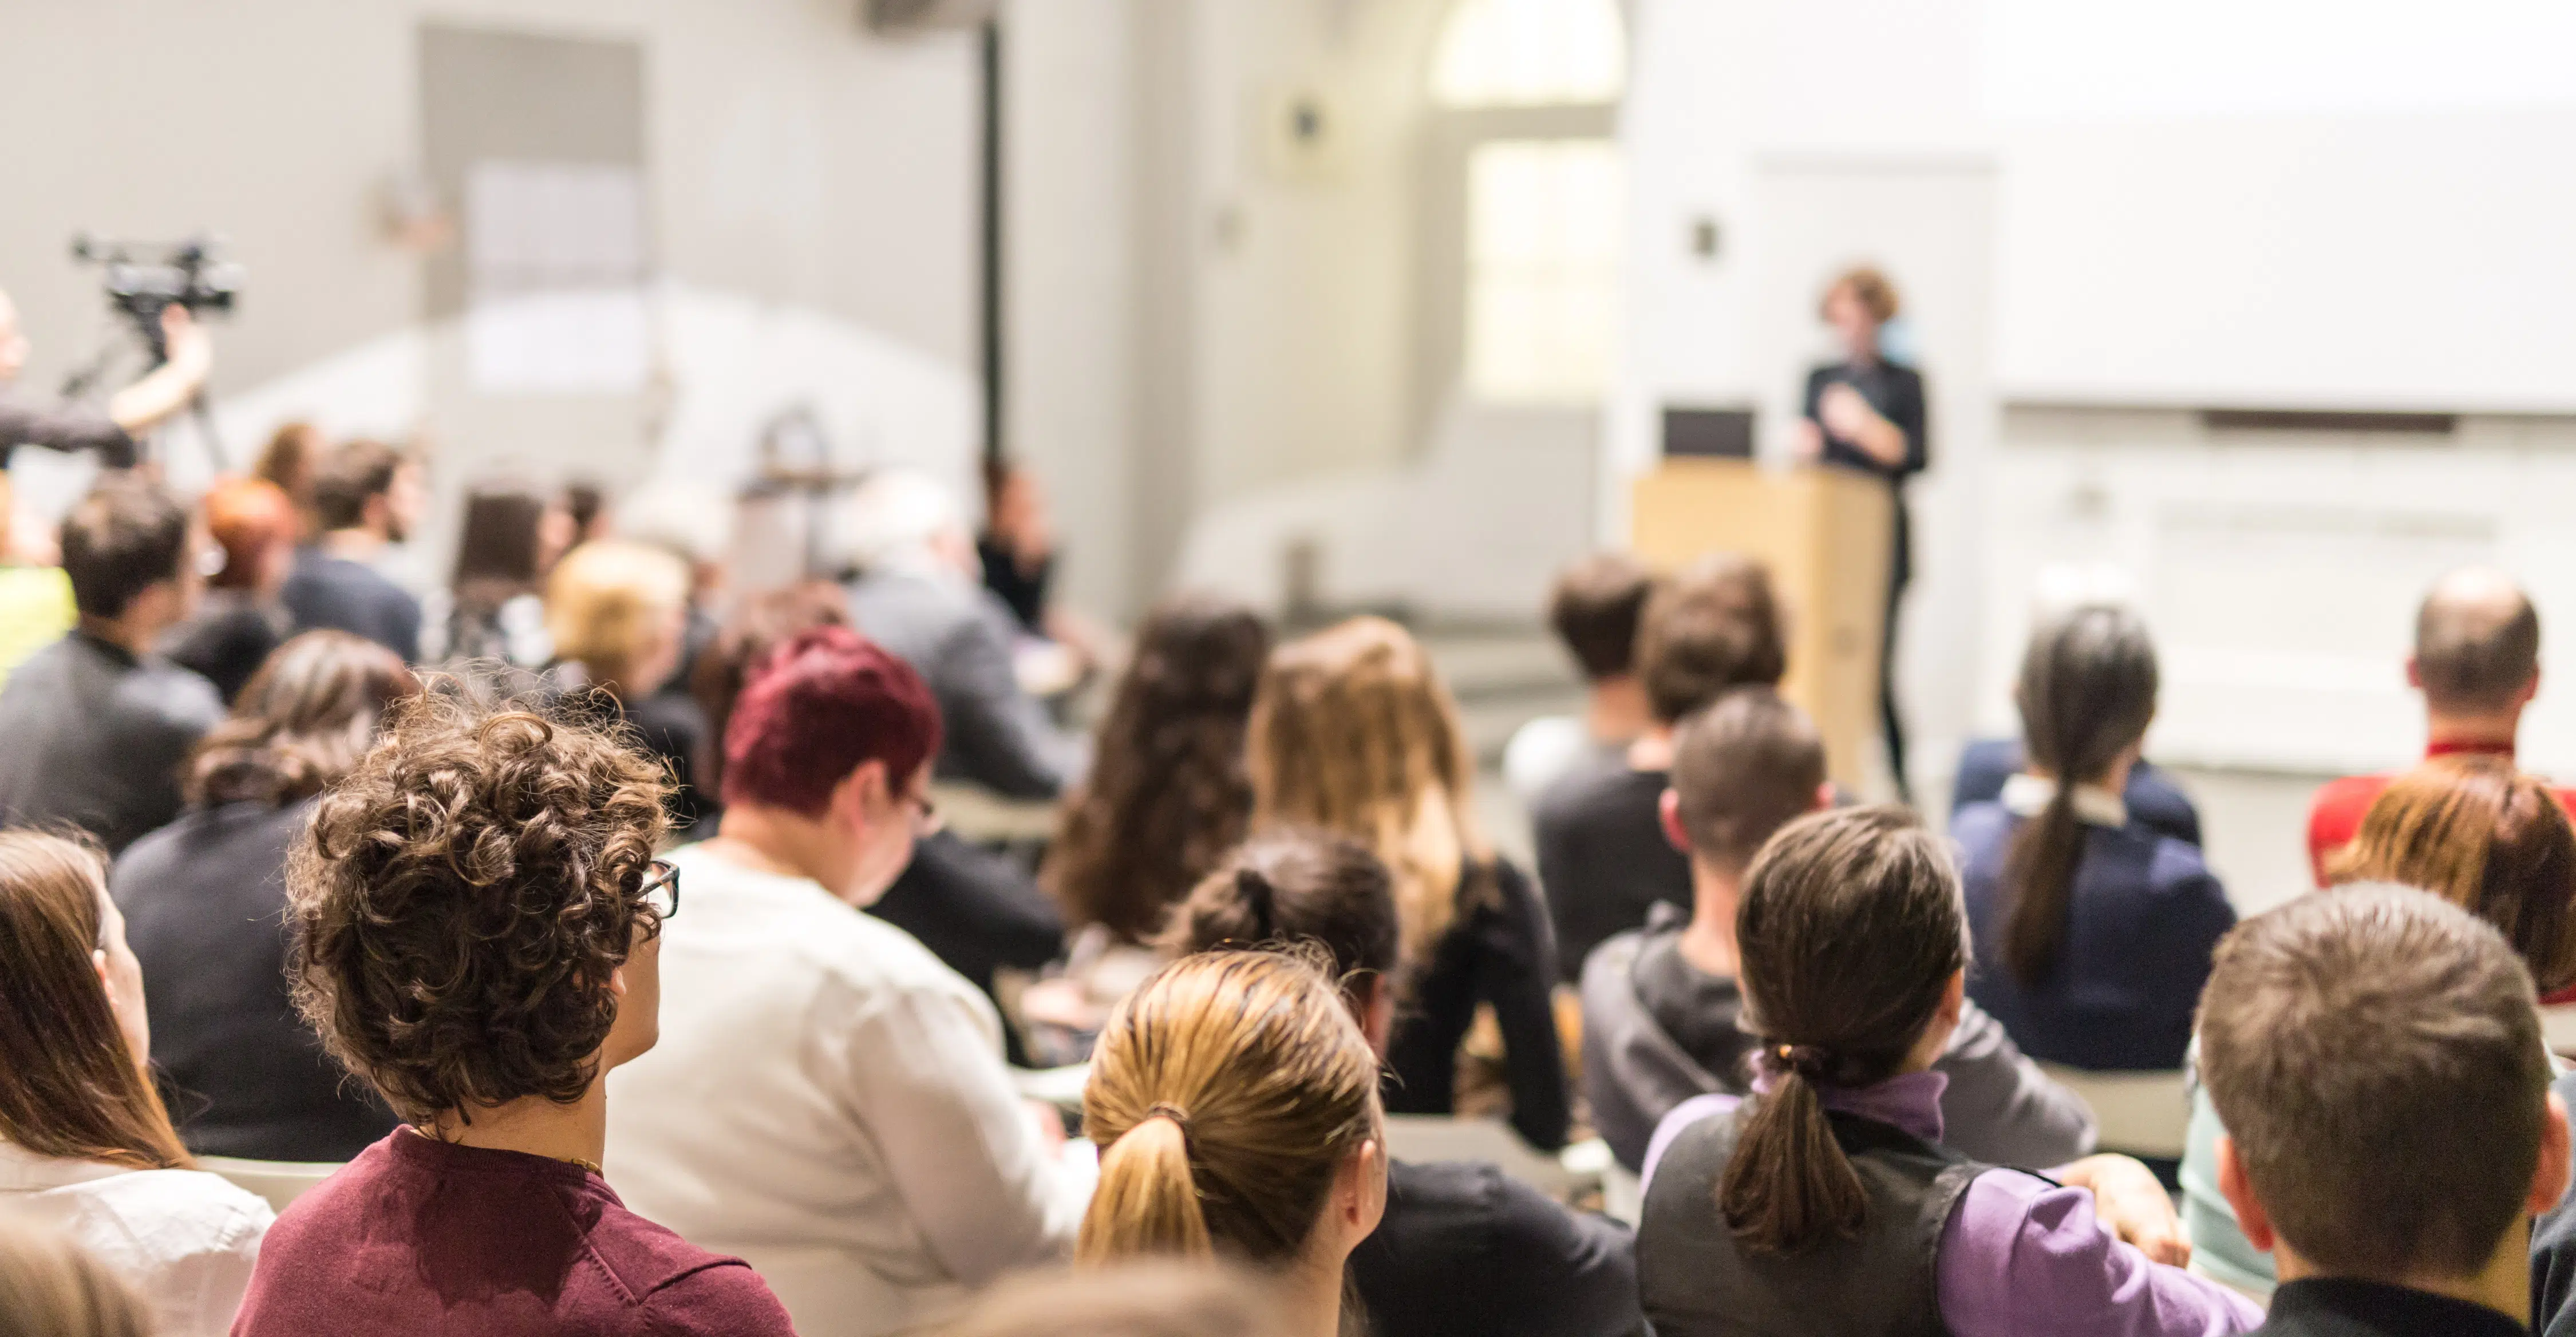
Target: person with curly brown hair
pixel 477 918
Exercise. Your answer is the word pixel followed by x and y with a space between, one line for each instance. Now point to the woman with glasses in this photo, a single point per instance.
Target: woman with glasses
pixel 477 919
pixel 205 902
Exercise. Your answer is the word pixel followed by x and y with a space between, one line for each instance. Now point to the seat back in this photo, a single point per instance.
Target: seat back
pixel 280 1182
pixel 2141 1113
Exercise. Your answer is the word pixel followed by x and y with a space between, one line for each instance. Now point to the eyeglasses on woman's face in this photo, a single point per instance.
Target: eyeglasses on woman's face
pixel 661 890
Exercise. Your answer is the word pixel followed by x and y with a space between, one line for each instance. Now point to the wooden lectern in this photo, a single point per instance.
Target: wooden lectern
pixel 1825 534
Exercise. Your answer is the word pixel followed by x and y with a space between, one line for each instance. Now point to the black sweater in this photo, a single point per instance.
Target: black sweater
pixel 1498 952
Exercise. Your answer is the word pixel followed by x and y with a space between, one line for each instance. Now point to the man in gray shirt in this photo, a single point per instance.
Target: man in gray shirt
pixel 94 728
pixel 1662 1013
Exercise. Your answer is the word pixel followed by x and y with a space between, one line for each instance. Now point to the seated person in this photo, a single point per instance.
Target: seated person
pixel 616 612
pixel 2477 662
pixel 87 1153
pixel 205 905
pixel 240 618
pixel 2154 799
pixel 2391 1130
pixel 367 497
pixel 2093 932
pixel 1809 1206
pixel 918 595
pixel 1593 610
pixel 477 914
pixel 94 728
pixel 1464 1248
pixel 828 1099
pixel 1603 858
pixel 1663 1012
pixel 1234 1103
pixel 1353 732
pixel 2472 830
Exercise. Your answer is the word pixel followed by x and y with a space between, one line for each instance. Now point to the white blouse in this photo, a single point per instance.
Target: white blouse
pixel 183 1239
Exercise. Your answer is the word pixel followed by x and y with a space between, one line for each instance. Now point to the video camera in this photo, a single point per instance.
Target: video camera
pixel 186 273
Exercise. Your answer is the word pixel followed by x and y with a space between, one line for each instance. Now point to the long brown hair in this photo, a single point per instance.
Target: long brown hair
pixel 301 722
pixel 2489 839
pixel 70 1085
pixel 1353 731
pixel 2087 693
pixel 1850 931
pixel 1224 1095
pixel 1167 795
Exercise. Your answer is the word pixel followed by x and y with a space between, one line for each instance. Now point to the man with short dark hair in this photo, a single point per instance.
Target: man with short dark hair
pixel 1661 1007
pixel 366 496
pixel 2477 662
pixel 93 728
pixel 1594 610
pixel 2378 1062
pixel 1602 856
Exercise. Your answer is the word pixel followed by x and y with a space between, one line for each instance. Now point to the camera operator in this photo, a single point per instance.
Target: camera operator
pixel 131 411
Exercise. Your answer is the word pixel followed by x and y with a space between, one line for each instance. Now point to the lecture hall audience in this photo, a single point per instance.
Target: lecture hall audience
pixel 477 925
pixel 495 606
pixel 93 728
pixel 1353 732
pixel 1603 857
pixel 1808 1206
pixel 87 1152
pixel 1464 1248
pixel 829 1100
pixel 205 908
pixel 1663 1009
pixel 617 613
pixel 2093 931
pixel 1593 608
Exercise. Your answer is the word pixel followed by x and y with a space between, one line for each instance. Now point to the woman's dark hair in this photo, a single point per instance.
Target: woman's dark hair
pixel 1850 931
pixel 1168 793
pixel 462 897
pixel 70 1085
pixel 2087 693
pixel 301 722
pixel 498 549
pixel 760 625
pixel 1292 886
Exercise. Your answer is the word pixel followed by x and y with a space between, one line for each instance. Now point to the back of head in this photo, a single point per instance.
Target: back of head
pixel 500 548
pixel 1743 768
pixel 349 476
pixel 301 722
pixel 1869 287
pixel 70 1086
pixel 2087 693
pixel 1289 888
pixel 1224 1094
pixel 461 898
pixel 2376 1057
pixel 2489 839
pixel 897 519
pixel 1167 794
pixel 2477 643
pixel 1595 608
pixel 758 625
pixel 1850 931
pixel 128 535
pixel 1141 1299
pixel 248 518
pixel 50 1288
pixel 607 600
pixel 1353 731
pixel 1713 626
pixel 820 706
pixel 289 459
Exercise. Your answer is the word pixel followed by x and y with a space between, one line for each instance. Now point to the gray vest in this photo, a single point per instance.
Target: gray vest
pixel 1696 1280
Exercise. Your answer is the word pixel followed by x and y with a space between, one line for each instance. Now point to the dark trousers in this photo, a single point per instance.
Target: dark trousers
pixel 1900 574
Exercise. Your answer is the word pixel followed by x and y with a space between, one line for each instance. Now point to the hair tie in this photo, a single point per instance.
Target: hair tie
pixel 1812 1062
pixel 1180 1118
pixel 1259 899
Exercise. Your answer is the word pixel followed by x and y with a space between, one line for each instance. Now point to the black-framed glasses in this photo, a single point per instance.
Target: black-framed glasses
pixel 925 811
pixel 661 889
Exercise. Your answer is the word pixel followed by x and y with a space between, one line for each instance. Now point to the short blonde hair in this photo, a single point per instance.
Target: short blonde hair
pixel 606 599
pixel 1868 287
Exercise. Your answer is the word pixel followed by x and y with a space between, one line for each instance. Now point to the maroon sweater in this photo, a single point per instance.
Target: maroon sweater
pixel 422 1236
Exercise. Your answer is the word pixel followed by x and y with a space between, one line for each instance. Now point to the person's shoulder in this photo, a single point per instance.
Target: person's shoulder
pixel 648 1258
pixel 1981 828
pixel 1609 962
pixel 182 1211
pixel 2349 795
pixel 178 696
pixel 1595 785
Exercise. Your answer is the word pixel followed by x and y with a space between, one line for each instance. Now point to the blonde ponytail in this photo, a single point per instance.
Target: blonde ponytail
pixel 1147 1204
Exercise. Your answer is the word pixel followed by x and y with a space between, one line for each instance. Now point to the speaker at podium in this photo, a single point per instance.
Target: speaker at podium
pixel 1824 532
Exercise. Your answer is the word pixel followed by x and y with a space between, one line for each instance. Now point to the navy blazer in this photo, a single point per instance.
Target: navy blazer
pixel 2154 800
pixel 2145 914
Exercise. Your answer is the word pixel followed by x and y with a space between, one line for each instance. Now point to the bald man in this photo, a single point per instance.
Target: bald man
pixel 137 408
pixel 2477 662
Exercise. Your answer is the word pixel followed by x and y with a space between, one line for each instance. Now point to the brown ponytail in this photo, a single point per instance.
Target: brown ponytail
pixel 1850 931
pixel 1296 886
pixel 2087 692
pixel 1225 1094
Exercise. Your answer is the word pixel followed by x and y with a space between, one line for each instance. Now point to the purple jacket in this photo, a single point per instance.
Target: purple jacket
pixel 2020 1255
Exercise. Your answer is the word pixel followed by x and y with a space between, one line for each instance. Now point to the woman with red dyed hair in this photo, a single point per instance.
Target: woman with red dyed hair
pixel 241 620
